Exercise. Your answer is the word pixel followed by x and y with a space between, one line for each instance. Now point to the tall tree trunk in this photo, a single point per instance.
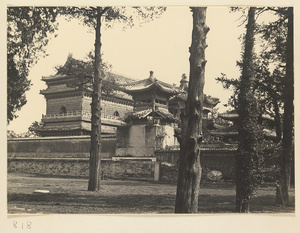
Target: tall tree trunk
pixel 282 193
pixel 248 160
pixel 189 176
pixel 277 120
pixel 95 150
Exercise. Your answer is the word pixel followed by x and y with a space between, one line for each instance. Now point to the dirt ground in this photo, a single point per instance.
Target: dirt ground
pixel 69 195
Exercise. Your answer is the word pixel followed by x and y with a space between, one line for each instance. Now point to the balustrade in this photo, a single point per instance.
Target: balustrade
pixel 78 113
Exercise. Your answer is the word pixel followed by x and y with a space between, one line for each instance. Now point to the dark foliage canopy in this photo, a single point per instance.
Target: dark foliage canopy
pixel 82 73
pixel 28 32
pixel 269 65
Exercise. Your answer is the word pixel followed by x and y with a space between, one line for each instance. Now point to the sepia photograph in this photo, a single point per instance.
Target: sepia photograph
pixel 149 110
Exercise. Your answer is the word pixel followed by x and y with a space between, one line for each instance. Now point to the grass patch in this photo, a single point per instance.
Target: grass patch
pixel 69 195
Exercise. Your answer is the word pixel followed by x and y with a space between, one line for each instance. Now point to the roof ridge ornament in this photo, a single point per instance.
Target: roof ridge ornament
pixel 183 83
pixel 151 77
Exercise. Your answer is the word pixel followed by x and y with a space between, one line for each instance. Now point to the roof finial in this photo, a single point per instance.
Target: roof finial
pixel 151 76
pixel 184 83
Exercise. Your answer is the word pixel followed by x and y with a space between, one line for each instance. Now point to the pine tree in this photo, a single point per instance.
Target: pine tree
pixel 93 17
pixel 190 139
pixel 248 161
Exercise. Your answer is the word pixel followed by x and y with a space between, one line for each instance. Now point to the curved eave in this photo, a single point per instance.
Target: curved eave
pixel 60 128
pixel 224 149
pixel 167 90
pixel 178 98
pixel 235 116
pixel 212 101
pixel 207 108
pixel 207 100
pixel 55 77
pixel 267 133
pixel 149 87
pixel 144 113
pixel 47 92
pixel 113 94
pixel 230 116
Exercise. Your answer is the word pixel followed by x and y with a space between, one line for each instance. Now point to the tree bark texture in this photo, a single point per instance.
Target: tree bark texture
pixel 248 160
pixel 189 176
pixel 277 120
pixel 95 150
pixel 282 192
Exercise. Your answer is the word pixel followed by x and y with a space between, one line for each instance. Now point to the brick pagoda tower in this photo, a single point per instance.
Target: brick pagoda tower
pixel 68 110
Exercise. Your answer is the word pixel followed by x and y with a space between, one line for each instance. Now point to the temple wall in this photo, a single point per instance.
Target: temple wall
pixel 143 140
pixel 72 104
pixel 57 147
pixel 169 139
pixel 223 161
pixel 135 151
pixel 135 140
pixel 86 104
pixel 69 156
pixel 137 136
pixel 109 108
pixel 129 169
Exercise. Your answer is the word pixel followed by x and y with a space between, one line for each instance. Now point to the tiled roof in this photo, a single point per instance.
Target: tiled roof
pixel 60 128
pixel 180 96
pixel 140 114
pixel 207 99
pixel 229 115
pixel 120 79
pixel 223 133
pixel 64 88
pixel 211 100
pixel 232 115
pixel 218 147
pixel 54 77
pixel 149 83
pixel 162 112
pixel 268 133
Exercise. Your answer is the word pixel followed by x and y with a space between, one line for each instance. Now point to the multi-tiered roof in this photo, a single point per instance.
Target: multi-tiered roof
pixel 150 84
pixel 151 98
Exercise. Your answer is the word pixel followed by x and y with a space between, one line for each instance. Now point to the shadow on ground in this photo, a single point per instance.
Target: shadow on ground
pixel 66 203
pixel 69 195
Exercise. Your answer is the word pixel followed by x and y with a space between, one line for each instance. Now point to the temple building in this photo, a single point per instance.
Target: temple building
pixel 139 119
pixel 68 110
pixel 230 133
pixel 141 115
pixel 68 107
pixel 150 126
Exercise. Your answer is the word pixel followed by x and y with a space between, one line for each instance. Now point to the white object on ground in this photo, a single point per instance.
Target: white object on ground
pixel 41 191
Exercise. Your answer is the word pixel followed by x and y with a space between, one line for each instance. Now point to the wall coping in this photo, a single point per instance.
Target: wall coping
pixel 117 158
pixel 58 137
pixel 56 159
pixel 153 159
pixel 206 149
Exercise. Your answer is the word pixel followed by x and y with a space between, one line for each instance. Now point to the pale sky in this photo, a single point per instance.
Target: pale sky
pixel 161 45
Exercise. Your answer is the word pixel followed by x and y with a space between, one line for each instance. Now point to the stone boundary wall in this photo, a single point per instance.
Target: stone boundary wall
pixel 68 156
pixel 223 161
pixel 79 167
